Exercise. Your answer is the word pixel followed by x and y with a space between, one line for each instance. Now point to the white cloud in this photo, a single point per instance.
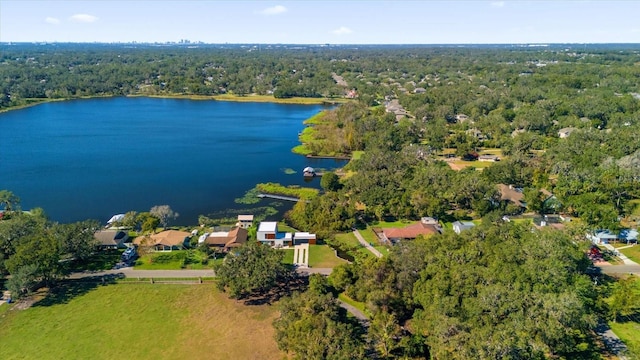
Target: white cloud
pixel 83 18
pixel 275 10
pixel 497 4
pixel 342 30
pixel 52 20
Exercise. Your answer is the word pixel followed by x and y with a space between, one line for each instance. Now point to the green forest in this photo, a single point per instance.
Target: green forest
pixel 559 125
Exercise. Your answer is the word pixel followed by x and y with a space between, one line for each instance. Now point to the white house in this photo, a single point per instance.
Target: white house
pixel 602 237
pixel 268 234
pixel 304 238
pixel 460 226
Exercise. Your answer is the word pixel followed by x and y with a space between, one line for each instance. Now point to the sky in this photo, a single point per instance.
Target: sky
pixel 321 22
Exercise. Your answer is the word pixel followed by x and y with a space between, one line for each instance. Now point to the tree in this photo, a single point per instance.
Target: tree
pixel 77 240
pixel 312 325
pixel 147 221
pixel 22 281
pixel 253 269
pixel 330 181
pixel 384 332
pixel 41 249
pixel 535 200
pixel 624 298
pixel 8 200
pixel 164 213
pixel 130 220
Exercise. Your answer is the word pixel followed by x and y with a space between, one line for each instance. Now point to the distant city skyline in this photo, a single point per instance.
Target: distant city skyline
pixel 321 22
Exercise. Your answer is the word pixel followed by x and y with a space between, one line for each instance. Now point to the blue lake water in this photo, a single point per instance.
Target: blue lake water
pixel 90 159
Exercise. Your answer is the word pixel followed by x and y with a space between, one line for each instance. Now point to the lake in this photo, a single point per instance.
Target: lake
pixel 91 159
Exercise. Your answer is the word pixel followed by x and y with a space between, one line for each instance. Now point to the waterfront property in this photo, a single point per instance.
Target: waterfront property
pixel 223 241
pixel 269 234
pixel 245 221
pixel 111 239
pixel 167 240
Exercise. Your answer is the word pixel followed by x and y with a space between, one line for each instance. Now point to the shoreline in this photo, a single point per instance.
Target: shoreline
pixel 225 97
pixel 336 157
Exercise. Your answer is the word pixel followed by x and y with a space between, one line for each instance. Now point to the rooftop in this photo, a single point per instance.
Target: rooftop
pixel 268 226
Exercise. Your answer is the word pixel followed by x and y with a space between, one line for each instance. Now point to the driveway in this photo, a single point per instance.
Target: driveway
pixel 364 243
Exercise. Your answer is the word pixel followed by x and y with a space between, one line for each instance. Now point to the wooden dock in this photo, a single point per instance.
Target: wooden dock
pixel 279 197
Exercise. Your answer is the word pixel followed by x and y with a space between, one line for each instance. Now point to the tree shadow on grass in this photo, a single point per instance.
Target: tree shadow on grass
pixel 286 287
pixel 65 290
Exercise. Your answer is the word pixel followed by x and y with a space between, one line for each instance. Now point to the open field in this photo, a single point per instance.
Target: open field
pixel 174 260
pixel 139 321
pixel 323 256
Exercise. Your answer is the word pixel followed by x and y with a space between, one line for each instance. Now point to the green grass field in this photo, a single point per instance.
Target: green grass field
pixel 323 256
pixel 288 256
pixel 350 240
pixel 632 253
pixel 173 260
pixel 140 321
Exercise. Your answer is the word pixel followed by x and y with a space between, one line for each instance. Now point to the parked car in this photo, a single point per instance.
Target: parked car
pixel 129 254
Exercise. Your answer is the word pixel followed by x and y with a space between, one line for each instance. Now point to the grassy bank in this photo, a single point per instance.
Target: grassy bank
pixel 291 190
pixel 139 321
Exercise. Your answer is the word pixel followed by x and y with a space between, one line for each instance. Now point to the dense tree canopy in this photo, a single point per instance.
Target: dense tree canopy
pixel 251 270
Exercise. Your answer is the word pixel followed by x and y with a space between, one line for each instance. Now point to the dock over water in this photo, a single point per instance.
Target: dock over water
pixel 279 197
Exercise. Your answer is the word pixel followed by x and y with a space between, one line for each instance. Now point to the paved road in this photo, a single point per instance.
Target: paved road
pixel 131 273
pixel 158 274
pixel 355 312
pixel 366 244
pixel 619 269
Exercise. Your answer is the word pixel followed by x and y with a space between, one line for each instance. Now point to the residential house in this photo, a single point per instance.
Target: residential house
pixel 167 240
pixel 602 237
pixel 245 221
pixel 630 236
pixel 565 132
pixel 268 234
pixel 476 134
pixel 511 194
pixel 425 227
pixel 224 241
pixel 515 195
pixel 111 239
pixel 460 226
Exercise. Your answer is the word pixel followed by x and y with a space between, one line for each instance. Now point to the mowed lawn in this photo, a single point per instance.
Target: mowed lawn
pixel 323 256
pixel 632 253
pixel 141 321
